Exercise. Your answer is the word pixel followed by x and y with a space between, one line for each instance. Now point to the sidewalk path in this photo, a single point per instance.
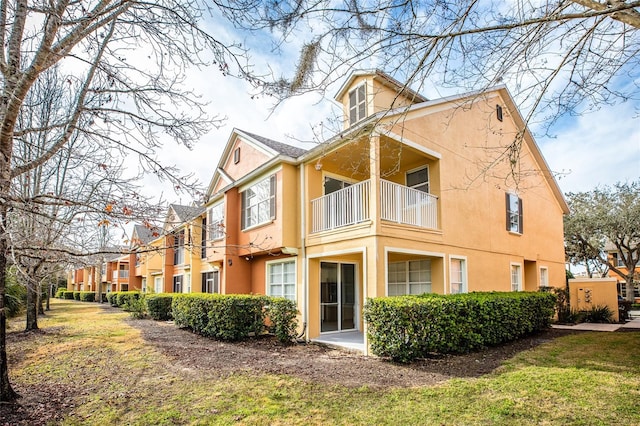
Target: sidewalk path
pixel 586 326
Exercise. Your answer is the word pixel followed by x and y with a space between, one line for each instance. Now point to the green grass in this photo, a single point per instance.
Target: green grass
pixel 581 379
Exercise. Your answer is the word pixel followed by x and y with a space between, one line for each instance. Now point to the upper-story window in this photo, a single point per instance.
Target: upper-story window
pixel 215 221
pixel 236 155
pixel 357 104
pixel 259 203
pixel 178 247
pixel 419 179
pixel 617 261
pixel 514 213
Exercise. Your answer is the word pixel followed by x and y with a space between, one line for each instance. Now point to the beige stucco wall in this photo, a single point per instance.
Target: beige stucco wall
pixel 586 293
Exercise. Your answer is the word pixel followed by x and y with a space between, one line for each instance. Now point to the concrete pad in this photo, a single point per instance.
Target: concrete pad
pixel 588 326
pixel 633 324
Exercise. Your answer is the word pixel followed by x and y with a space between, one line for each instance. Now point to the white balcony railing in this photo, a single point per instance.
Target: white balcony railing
pixel 401 204
pixel 341 208
pixel 122 273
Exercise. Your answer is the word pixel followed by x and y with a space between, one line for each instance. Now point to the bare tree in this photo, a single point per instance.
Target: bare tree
pixel 557 56
pixel 122 66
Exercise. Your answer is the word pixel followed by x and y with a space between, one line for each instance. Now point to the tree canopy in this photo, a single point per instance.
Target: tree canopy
pixel 606 219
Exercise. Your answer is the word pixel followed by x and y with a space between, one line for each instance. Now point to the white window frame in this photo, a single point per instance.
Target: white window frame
pixel 157 284
pixel 251 204
pixel 215 222
pixel 464 285
pixel 181 283
pixel 214 279
pixel 407 277
pixel 516 286
pixel 269 285
pixel 406 179
pixel 544 276
pixel 514 213
pixel 358 107
pixel 179 247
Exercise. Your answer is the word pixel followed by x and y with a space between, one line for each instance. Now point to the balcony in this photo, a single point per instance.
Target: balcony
pixel 122 273
pixel 398 203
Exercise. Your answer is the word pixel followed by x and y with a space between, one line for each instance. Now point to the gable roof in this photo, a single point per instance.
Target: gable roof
pixel 455 101
pixel 385 79
pixel 143 235
pixel 186 213
pixel 279 147
pixel 269 147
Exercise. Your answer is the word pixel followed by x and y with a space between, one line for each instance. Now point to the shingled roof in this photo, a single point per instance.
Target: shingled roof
pixel 279 147
pixel 186 213
pixel 145 235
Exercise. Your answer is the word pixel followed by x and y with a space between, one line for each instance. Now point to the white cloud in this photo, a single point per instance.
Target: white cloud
pixel 600 148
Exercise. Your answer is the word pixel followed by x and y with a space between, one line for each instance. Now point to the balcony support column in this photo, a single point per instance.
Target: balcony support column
pixel 374 177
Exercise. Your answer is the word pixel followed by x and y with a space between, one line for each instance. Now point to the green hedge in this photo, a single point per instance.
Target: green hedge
pixel 233 316
pixel 409 327
pixel 60 293
pixel 282 314
pixel 87 296
pixel 67 295
pixel 159 306
pixel 76 295
pixel 112 298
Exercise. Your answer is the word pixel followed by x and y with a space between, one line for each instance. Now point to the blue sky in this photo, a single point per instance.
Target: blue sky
pixel 597 148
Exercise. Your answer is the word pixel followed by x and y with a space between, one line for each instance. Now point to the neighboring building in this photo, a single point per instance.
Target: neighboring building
pixel 413 196
pixel 614 257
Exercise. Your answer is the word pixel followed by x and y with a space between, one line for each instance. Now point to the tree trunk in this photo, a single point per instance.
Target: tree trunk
pixel 7 394
pixel 32 305
pixel 40 300
pixel 49 290
pixel 630 288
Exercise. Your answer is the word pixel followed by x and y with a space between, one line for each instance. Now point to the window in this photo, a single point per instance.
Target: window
pixel 357 104
pixel 514 213
pixel 177 284
pixel 419 179
pixel 281 279
pixel 516 277
pixel 215 221
pixel 458 275
pixel 211 282
pixel 178 247
pixel 617 260
pixel 144 285
pixel 411 277
pixel 623 290
pixel 499 112
pixel 544 277
pixel 236 156
pixel 124 287
pixel 123 271
pixel 157 285
pixel 259 203
pixel 203 238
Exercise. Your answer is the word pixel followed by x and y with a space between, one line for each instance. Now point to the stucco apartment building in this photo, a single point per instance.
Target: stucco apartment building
pixel 413 195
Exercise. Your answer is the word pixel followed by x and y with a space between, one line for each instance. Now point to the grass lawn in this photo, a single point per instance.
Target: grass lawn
pixel 116 378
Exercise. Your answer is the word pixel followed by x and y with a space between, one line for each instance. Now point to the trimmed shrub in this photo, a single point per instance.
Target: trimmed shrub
pixel 224 317
pixel 159 306
pixel 87 296
pixel 135 306
pixel 60 292
pixel 409 327
pixel 68 295
pixel 76 295
pixel 124 297
pixel 282 314
pixel 112 298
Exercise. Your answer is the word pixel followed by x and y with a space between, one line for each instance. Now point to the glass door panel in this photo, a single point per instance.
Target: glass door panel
pixel 328 297
pixel 347 295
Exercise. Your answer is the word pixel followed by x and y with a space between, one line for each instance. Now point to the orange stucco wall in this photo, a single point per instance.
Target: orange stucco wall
pixel 586 293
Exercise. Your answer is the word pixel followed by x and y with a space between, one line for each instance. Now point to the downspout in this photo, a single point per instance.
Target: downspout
pixel 303 251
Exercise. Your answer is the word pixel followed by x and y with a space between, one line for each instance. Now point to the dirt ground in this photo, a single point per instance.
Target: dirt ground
pixel 187 352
